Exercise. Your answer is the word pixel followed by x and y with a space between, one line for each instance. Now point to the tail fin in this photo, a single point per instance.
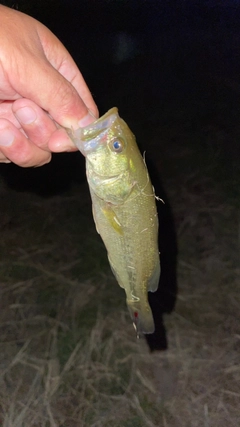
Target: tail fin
pixel 141 316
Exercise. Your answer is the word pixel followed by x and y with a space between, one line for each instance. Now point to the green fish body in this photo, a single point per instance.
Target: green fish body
pixel 124 210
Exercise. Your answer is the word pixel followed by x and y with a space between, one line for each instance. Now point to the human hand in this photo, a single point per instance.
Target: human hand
pixel 40 88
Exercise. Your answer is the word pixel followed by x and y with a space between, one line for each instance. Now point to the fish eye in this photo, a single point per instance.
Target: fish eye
pixel 117 145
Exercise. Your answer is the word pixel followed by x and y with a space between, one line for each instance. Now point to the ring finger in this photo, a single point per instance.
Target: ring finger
pixel 15 147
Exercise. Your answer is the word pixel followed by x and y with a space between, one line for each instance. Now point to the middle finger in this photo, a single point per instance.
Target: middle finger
pixel 36 123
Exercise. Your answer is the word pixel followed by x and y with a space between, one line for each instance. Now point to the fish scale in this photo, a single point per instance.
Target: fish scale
pixel 124 210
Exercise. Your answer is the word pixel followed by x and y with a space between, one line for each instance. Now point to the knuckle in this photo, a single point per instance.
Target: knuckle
pixel 65 92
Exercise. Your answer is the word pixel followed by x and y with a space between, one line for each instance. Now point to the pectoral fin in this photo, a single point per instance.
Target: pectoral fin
pixel 113 219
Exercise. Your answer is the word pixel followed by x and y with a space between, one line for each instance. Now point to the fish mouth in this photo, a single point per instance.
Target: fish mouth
pixel 87 139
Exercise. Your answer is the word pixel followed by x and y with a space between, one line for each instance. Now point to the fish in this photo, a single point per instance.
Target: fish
pixel 124 210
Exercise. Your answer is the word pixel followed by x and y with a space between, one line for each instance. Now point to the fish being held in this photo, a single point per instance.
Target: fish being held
pixel 124 210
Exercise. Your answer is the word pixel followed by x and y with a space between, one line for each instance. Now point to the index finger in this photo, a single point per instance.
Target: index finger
pixel 61 60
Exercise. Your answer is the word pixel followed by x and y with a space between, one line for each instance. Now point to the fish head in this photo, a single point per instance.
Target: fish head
pixel 109 147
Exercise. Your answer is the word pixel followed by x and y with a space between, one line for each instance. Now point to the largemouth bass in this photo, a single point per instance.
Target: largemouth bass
pixel 124 210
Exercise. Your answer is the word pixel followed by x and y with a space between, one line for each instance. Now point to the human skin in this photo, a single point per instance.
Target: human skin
pixel 41 87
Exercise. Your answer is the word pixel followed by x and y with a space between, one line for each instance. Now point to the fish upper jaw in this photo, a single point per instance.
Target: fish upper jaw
pixel 87 146
pixel 87 139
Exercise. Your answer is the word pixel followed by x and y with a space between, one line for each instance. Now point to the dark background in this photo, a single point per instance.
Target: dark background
pixel 157 61
pixel 166 65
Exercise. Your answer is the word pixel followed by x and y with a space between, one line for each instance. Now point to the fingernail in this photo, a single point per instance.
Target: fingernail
pixel 89 118
pixel 26 115
pixel 6 138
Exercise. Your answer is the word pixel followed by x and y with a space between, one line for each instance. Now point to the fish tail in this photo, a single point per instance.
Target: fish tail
pixel 142 318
